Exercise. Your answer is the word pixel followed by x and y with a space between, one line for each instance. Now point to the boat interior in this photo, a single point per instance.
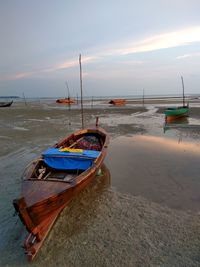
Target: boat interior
pixel 89 141
pixel 43 172
pixel 66 166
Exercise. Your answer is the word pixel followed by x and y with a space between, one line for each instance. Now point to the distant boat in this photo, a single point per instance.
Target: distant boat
pixel 117 102
pixel 5 104
pixel 66 100
pixel 176 113
pixel 173 113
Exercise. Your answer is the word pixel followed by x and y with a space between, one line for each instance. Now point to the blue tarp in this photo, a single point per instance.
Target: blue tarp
pixel 68 160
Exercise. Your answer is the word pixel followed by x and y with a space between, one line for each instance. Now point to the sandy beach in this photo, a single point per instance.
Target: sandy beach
pixel 145 208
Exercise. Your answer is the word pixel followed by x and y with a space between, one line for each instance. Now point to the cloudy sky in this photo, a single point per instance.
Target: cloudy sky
pixel 127 46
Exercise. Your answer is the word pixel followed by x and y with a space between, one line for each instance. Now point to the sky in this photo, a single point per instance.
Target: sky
pixel 127 46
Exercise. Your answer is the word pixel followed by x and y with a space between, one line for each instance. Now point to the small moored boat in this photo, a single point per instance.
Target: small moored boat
pixel 117 102
pixel 5 104
pixel 176 112
pixel 50 182
pixel 68 101
pixel 173 113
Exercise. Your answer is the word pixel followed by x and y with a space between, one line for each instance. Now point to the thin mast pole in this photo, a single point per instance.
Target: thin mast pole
pixel 81 85
pixel 67 90
pixel 92 102
pixel 143 98
pixel 183 91
pixel 24 99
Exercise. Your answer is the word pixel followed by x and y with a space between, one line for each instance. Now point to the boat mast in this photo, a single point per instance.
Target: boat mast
pixel 67 90
pixel 81 85
pixel 183 91
pixel 24 99
pixel 143 98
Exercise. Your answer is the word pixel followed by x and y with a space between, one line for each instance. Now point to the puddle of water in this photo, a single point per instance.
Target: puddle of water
pixel 161 169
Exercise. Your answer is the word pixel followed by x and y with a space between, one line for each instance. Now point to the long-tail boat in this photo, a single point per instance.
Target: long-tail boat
pixel 173 113
pixel 5 104
pixel 50 182
pixel 68 101
pixel 117 102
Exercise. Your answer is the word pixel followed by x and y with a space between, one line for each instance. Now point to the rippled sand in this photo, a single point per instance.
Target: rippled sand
pixel 143 210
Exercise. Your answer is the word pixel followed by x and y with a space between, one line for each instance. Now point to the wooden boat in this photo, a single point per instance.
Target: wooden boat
pixel 51 181
pixel 67 100
pixel 174 113
pixel 117 102
pixel 5 104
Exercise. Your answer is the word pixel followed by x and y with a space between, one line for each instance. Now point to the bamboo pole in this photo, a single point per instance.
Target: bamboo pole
pixel 143 98
pixel 81 86
pixel 24 99
pixel 183 91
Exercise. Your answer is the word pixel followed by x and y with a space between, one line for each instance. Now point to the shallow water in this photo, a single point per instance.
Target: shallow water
pixel 161 169
pixel 122 218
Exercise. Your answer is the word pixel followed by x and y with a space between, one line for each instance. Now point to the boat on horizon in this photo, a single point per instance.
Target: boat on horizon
pixel 66 100
pixel 117 102
pixel 174 113
pixel 6 104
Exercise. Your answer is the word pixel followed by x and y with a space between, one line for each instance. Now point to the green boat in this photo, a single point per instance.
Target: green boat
pixel 177 112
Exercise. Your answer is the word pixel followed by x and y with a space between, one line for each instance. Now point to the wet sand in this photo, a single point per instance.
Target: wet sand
pixel 143 211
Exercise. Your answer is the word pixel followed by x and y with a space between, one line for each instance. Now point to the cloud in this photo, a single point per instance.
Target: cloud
pixel 188 55
pixel 183 56
pixel 161 41
pixel 17 76
pixel 132 62
pixel 71 63
pixel 63 65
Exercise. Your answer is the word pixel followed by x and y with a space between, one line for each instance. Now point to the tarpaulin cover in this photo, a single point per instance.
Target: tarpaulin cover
pixel 69 160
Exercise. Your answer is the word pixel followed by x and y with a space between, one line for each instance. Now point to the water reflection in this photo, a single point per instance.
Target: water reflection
pixel 175 123
pixel 171 120
pixel 185 128
pixel 158 168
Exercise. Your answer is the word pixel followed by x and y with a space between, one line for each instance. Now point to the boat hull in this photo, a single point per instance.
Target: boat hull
pixel 66 101
pixel 176 113
pixel 118 102
pixel 5 104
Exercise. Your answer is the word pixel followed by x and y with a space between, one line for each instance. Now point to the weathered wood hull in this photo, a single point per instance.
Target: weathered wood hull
pixel 43 200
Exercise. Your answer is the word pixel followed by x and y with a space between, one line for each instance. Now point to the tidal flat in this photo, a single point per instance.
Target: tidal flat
pixel 144 210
